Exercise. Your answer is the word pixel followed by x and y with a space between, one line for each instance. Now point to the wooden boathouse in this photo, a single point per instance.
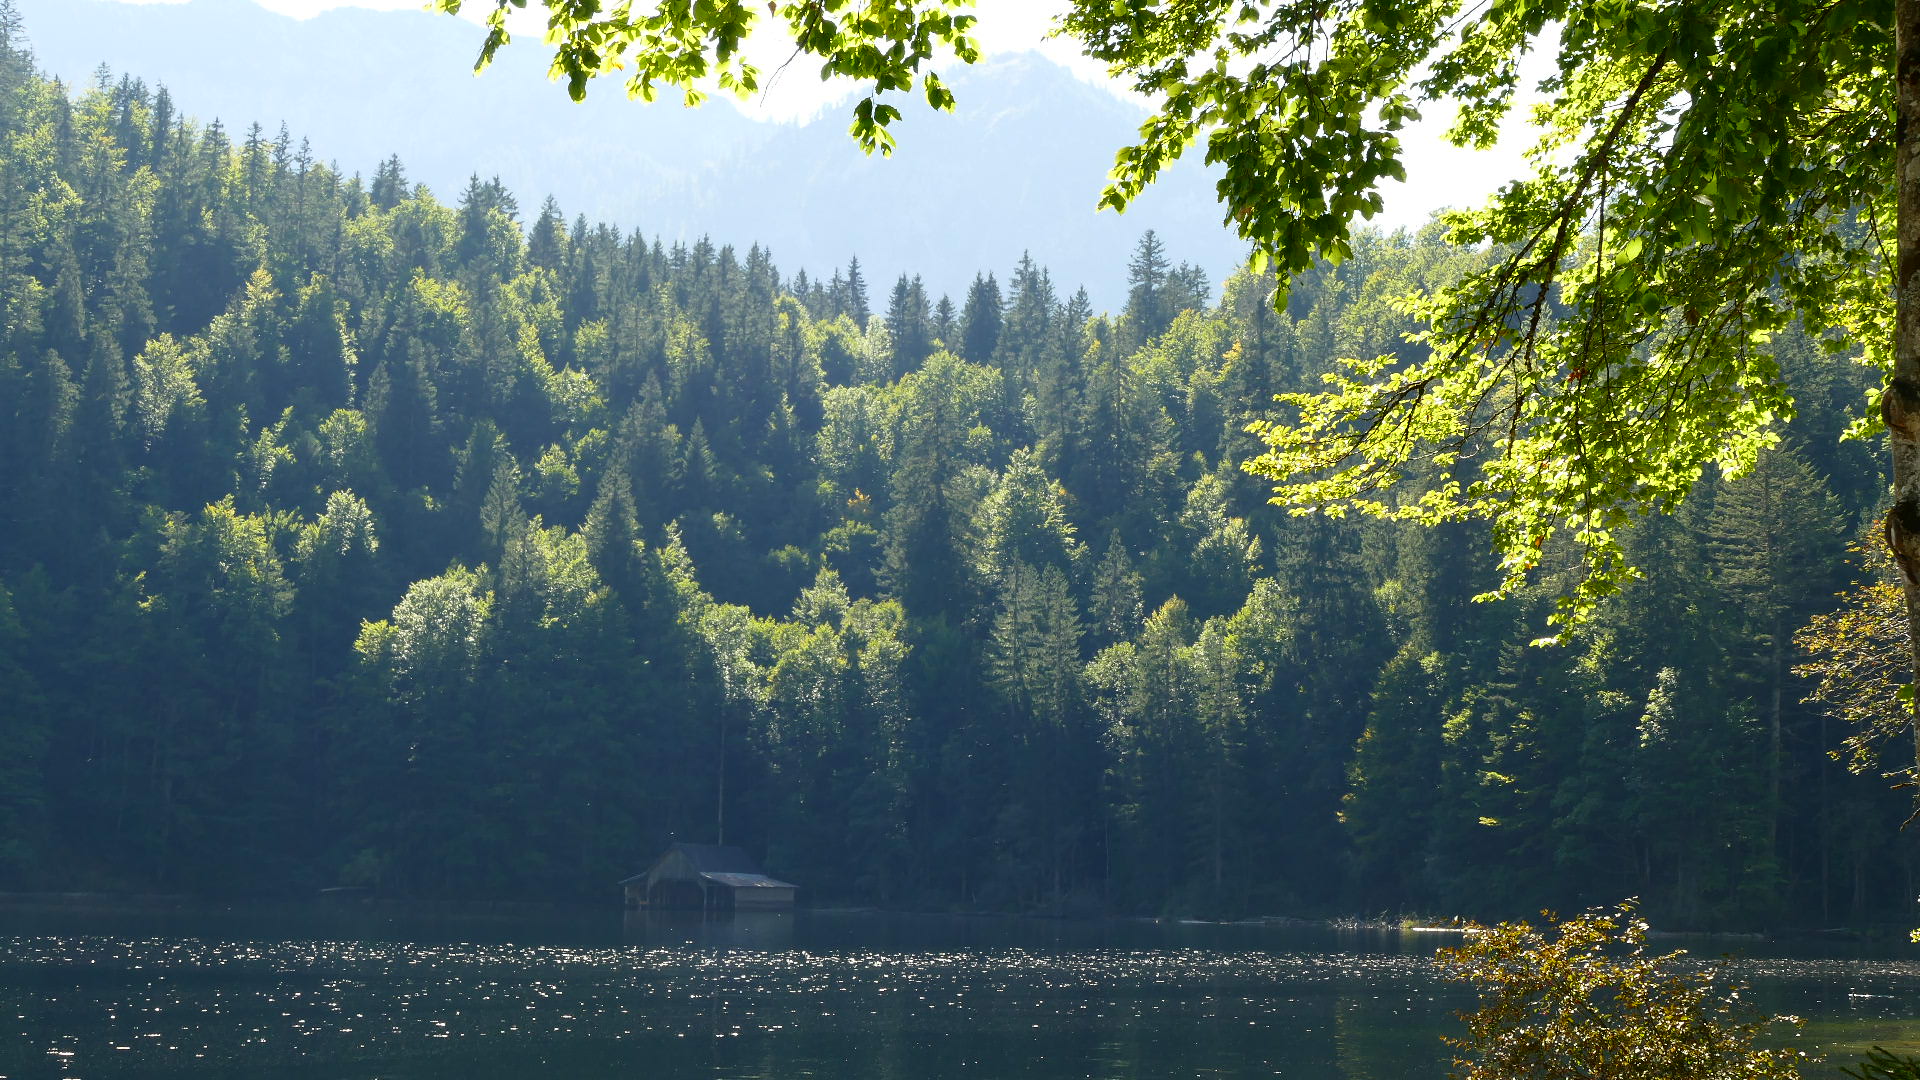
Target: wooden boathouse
pixel 707 877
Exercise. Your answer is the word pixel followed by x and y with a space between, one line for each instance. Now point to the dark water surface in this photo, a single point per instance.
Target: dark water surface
pixel 355 993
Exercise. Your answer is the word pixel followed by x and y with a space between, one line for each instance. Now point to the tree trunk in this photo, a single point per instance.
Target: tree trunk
pixel 1779 673
pixel 1901 403
pixel 1825 834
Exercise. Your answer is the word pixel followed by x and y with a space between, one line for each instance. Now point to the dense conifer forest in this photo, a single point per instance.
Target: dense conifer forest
pixel 356 537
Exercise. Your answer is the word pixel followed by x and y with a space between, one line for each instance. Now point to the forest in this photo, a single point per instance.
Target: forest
pixel 356 537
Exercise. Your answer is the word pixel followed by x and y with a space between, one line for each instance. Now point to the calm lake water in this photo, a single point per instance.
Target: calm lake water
pixel 354 993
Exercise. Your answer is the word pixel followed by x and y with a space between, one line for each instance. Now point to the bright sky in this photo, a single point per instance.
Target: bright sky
pixel 1440 175
pixel 1005 26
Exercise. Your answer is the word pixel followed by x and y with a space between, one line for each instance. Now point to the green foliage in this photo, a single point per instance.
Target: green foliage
pixel 1857 658
pixel 695 46
pixel 1883 1064
pixel 395 543
pixel 1584 998
pixel 1697 183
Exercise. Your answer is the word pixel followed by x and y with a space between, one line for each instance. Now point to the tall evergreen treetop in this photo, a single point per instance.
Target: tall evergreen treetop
pixel 1147 274
pixel 980 320
pixel 856 286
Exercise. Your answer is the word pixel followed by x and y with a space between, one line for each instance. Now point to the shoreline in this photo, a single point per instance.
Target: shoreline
pixel 346 901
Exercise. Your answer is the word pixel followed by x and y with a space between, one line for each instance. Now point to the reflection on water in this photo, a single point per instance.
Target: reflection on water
pixel 362 994
pixel 762 930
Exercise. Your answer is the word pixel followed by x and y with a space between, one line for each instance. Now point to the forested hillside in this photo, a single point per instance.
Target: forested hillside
pixel 354 537
pixel 402 80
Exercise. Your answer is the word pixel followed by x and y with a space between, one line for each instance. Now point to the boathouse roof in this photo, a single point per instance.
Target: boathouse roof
pixel 722 865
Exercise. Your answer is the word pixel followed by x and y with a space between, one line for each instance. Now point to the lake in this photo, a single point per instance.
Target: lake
pixel 354 992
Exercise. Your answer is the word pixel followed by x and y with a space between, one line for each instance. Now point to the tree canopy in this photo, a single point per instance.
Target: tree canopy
pixel 692 45
pixel 1702 177
pixel 453 547
pixel 1584 998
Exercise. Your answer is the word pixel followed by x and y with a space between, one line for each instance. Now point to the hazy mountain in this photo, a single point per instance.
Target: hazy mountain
pixel 1018 168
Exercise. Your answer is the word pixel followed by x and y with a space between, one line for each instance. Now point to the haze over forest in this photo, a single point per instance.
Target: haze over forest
pixel 1018 169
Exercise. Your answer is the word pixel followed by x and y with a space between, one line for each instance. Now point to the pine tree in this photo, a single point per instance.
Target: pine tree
pixel 1775 539
pixel 390 186
pixel 946 327
pixel 547 240
pixel 24 800
pixel 911 325
pixel 16 62
pixel 319 346
pixel 612 531
pixel 856 294
pixel 1145 692
pixel 1034 661
pixel 980 321
pixel 1148 303
pixel 1388 810
pixel 1116 607
pixel 501 518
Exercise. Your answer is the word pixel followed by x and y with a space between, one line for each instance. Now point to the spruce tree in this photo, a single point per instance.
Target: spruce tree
pixel 911 325
pixel 945 325
pixel 547 240
pixel 856 286
pixel 1775 537
pixel 1148 303
pixel 389 184
pixel 980 320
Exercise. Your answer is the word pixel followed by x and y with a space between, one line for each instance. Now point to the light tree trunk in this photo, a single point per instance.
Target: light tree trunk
pixel 1901 403
pixel 1779 666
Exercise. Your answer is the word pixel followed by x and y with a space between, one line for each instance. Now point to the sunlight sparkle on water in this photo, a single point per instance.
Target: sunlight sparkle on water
pixel 102 1006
